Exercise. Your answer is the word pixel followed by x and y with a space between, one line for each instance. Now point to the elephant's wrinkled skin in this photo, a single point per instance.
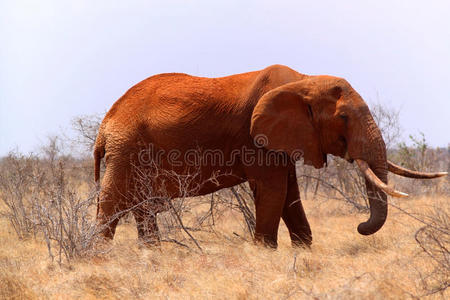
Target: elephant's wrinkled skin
pixel 293 112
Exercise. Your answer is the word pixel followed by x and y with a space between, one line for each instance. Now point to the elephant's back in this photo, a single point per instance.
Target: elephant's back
pixel 177 94
pixel 176 110
pixel 188 111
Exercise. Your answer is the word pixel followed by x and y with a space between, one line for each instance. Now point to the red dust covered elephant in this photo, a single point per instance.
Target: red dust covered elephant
pixel 277 112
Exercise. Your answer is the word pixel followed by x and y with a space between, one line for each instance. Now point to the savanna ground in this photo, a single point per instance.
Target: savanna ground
pixel 340 264
pixel 49 247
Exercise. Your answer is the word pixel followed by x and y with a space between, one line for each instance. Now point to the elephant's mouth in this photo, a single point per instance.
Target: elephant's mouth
pixel 344 149
pixel 325 158
pixel 347 157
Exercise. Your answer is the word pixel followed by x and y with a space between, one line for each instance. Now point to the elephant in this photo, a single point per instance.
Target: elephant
pixel 277 111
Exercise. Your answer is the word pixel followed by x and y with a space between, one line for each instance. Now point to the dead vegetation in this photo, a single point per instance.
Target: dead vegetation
pixel 45 199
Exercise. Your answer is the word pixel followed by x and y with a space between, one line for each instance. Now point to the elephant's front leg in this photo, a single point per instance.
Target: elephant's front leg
pixel 294 215
pixel 269 191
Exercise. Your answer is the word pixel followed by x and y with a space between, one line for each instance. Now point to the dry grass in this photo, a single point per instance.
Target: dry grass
pixel 340 264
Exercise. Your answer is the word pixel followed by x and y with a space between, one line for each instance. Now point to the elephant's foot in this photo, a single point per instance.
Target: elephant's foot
pixel 107 229
pixel 150 241
pixel 266 240
pixel 148 232
pixel 302 241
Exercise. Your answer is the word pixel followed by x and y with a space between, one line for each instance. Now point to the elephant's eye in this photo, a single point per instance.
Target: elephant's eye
pixel 343 117
pixel 310 112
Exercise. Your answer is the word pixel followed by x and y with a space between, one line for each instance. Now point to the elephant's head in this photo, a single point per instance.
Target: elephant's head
pixel 323 115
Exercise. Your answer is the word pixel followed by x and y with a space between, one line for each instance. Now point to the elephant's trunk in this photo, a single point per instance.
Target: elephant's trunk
pixel 377 199
pixel 369 151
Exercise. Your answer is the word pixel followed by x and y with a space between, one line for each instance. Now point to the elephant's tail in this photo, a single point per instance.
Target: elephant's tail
pixel 99 153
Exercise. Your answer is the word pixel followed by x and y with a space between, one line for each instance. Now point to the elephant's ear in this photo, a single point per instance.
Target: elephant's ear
pixel 282 121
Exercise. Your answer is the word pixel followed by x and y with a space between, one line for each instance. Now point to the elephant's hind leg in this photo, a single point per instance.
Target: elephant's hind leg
pixel 147 226
pixel 112 201
pixel 108 215
pixel 294 215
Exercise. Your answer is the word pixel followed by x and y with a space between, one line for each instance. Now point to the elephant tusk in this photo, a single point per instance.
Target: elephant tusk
pixel 413 174
pixel 370 175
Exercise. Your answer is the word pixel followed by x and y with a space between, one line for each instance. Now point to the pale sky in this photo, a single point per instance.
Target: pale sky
pixel 61 59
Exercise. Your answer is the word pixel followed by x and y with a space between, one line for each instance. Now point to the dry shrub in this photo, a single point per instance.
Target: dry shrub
pixel 18 176
pixel 339 181
pixel 434 239
pixel 86 128
pixel 43 201
pixel 237 200
pixel 420 156
pixel 185 216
